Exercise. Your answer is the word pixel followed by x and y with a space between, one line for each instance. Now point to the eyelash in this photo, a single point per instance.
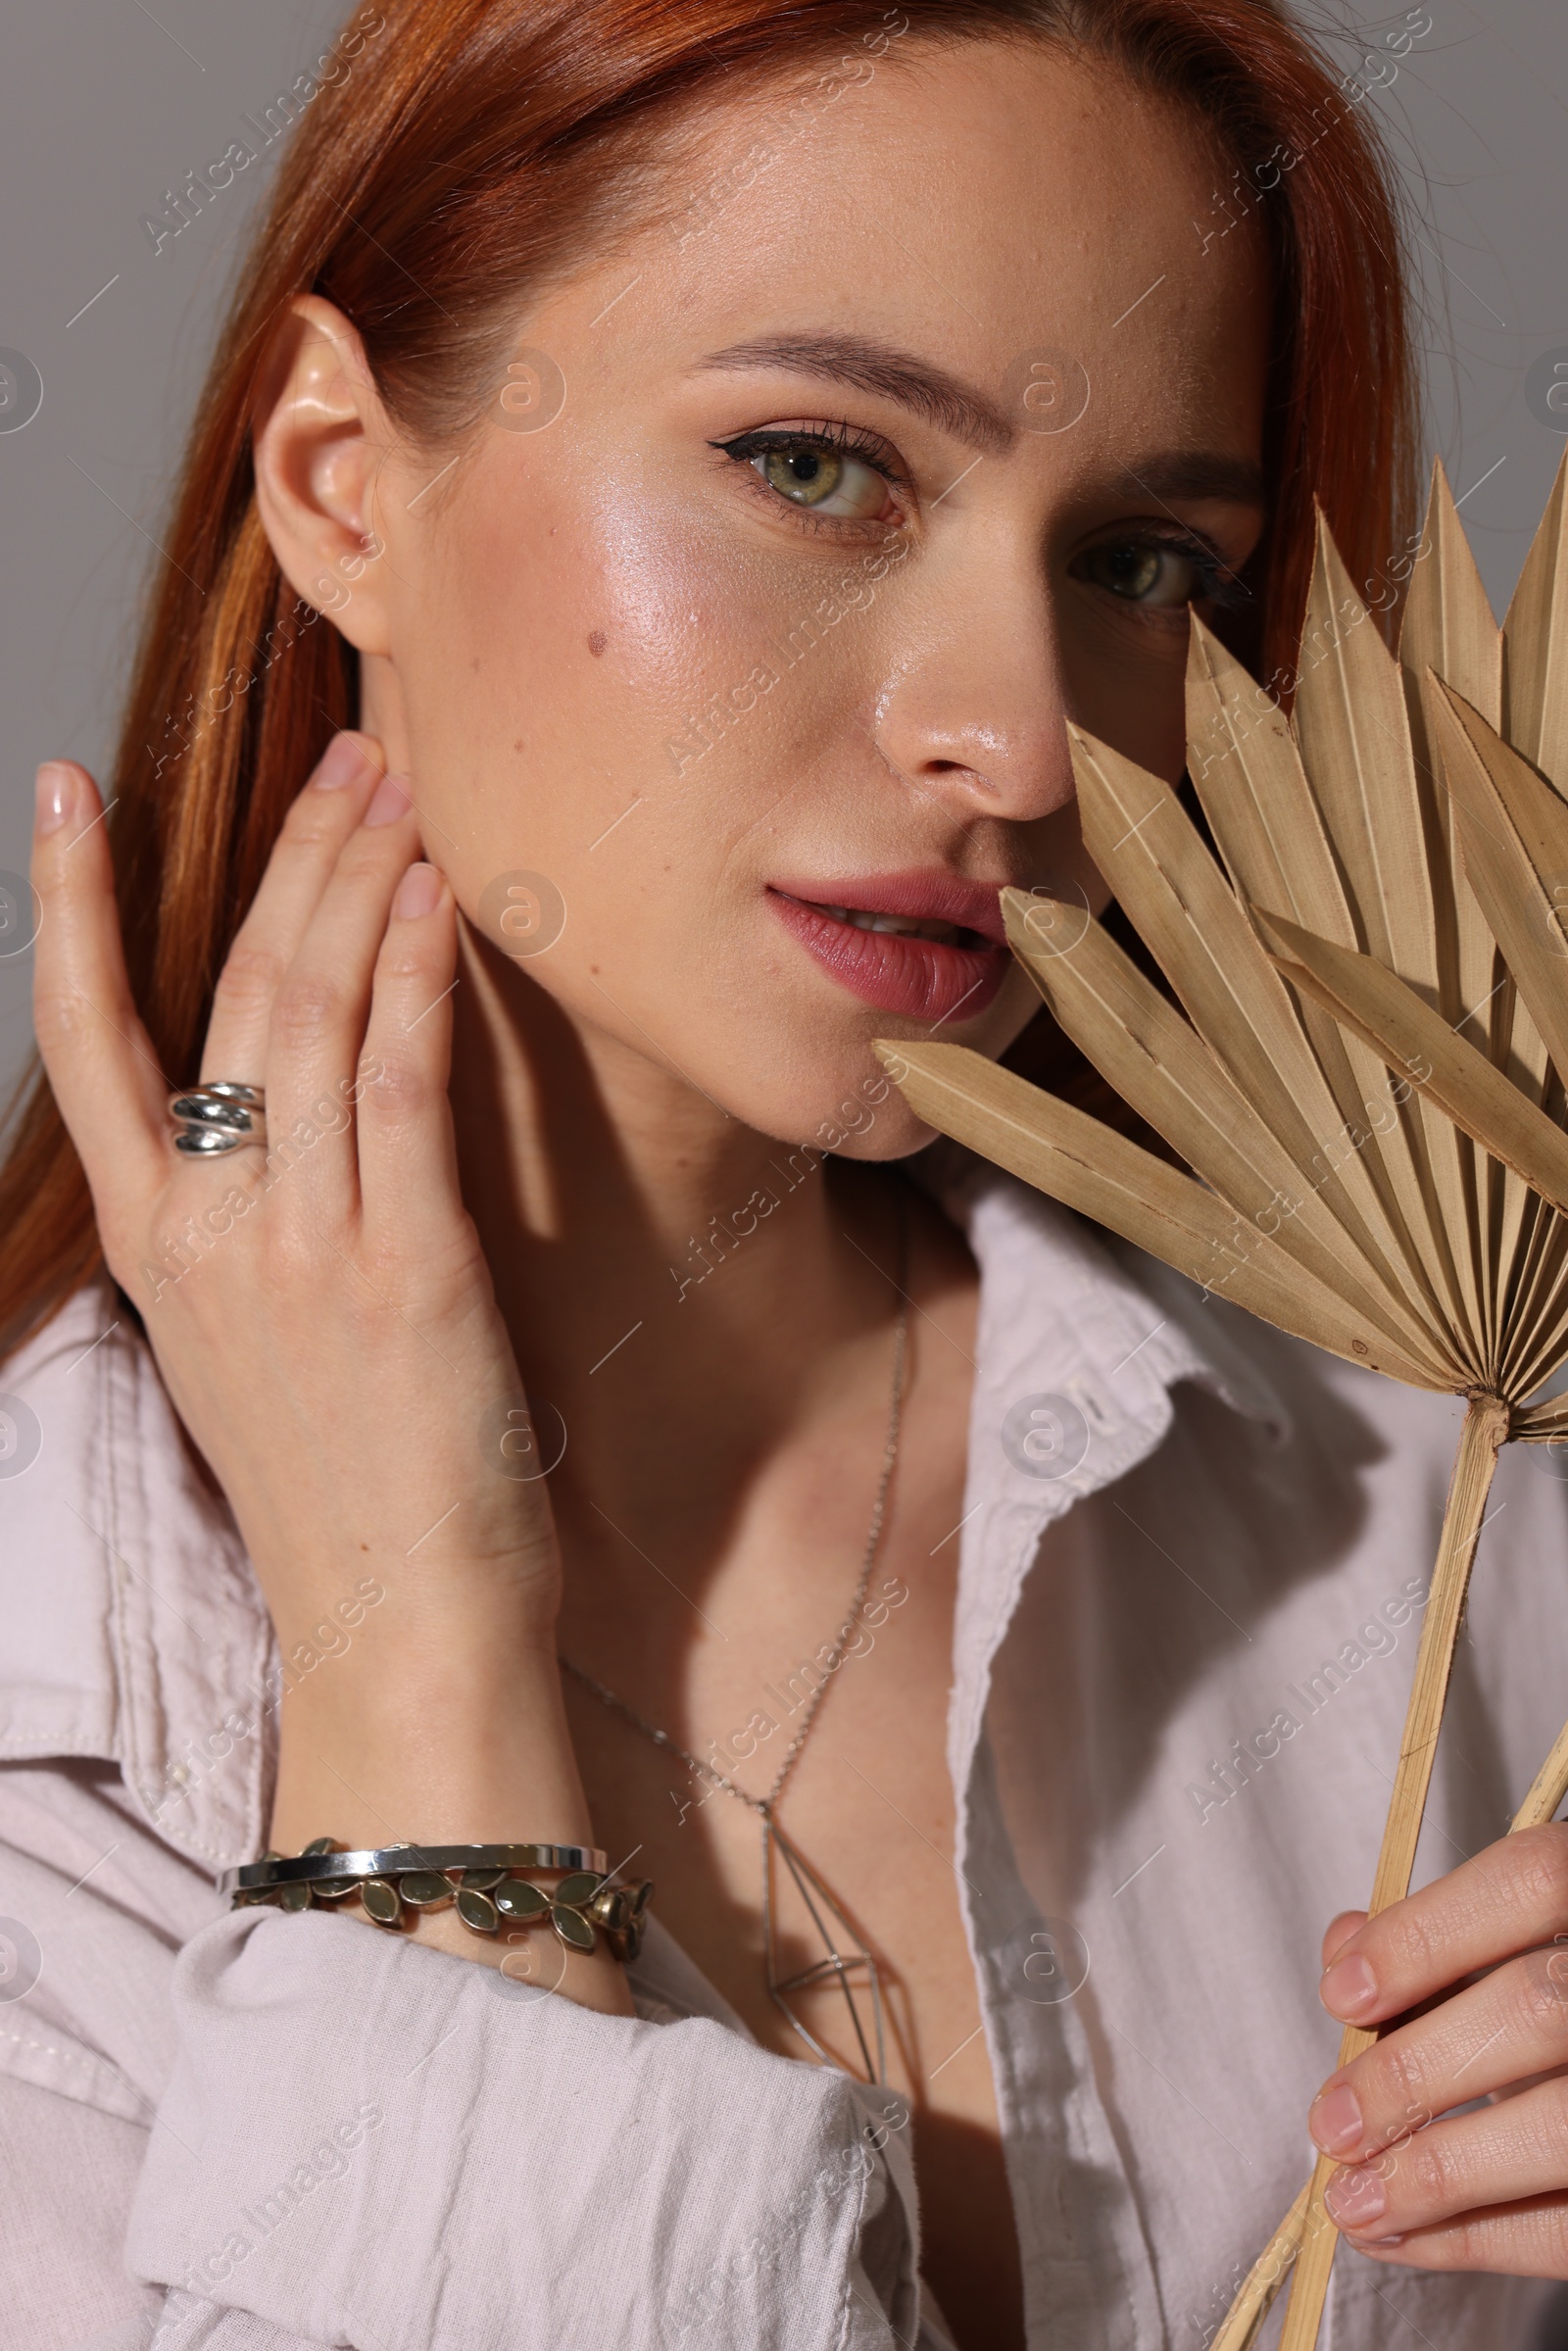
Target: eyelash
pixel 1221 585
pixel 837 437
pixel 1217 583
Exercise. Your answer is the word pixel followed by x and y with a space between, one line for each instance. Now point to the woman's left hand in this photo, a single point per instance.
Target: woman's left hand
pixel 1422 2185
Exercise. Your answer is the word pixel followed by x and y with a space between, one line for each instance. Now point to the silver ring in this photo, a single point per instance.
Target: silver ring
pixel 219 1116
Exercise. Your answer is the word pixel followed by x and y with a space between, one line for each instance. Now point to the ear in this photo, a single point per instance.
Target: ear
pixel 320 437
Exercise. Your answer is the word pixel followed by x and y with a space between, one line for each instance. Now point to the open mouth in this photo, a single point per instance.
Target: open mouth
pixel 907 958
pixel 902 926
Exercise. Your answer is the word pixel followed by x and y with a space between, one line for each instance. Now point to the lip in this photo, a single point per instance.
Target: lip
pixel 923 979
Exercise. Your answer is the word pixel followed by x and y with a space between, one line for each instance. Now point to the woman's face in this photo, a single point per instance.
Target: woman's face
pixel 910 439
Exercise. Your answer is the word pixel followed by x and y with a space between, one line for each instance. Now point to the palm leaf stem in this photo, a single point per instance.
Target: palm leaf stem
pixel 1485 1430
pixel 1244 2319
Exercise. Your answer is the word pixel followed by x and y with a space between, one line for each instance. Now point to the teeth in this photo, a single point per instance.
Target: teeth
pixel 902 926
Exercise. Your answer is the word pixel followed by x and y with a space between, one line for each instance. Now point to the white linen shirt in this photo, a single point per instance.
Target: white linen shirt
pixel 1193 1557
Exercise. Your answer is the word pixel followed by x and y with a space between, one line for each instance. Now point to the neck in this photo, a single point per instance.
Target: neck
pixel 681 1288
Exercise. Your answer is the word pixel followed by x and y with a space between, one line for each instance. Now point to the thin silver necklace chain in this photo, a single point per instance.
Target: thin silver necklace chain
pixel 890 1453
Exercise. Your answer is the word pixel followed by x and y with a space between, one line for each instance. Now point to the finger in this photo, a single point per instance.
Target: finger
pixel 1527 2239
pixel 408 1150
pixel 105 1073
pixel 1508 1897
pixel 318 1025
pixel 1495 2156
pixel 1340 1931
pixel 317 824
pixel 1512 2024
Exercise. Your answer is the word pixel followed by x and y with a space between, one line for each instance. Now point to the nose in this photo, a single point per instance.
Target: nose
pixel 974 710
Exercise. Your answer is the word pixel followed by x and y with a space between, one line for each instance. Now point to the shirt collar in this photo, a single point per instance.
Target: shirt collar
pixel 1081 1339
pixel 136 1633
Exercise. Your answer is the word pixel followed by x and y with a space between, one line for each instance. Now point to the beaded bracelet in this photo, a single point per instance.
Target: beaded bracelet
pixel 396 1882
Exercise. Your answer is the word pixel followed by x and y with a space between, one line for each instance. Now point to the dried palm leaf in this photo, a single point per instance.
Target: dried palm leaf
pixel 1363 1072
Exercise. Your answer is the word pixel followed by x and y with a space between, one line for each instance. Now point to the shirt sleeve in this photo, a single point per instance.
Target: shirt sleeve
pixel 369 2144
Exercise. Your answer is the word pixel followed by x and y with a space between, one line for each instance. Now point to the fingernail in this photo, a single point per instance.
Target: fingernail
pixel 343 759
pixel 418 893
pixel 391 800
pixel 1348 1987
pixel 55 793
pixel 1334 2120
pixel 1356 2199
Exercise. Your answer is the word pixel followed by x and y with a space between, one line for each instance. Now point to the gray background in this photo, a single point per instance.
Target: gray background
pixel 104 104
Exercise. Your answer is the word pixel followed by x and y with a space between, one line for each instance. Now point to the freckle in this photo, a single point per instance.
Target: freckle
pixel 597 641
pixel 518 746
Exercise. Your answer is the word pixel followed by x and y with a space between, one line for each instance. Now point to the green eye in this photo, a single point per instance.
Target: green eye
pixel 826 481
pixel 1141 571
pixel 805 476
pixel 1129 571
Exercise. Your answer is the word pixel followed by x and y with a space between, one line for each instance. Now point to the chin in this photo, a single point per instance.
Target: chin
pixel 901 1138
pixel 818 1083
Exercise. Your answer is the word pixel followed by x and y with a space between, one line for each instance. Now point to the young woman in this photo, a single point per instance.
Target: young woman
pixel 669 472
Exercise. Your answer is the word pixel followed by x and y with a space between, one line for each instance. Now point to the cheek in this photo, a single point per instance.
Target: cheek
pixel 576 628
pixel 655 785
pixel 725 641
pixel 603 689
pixel 1127 680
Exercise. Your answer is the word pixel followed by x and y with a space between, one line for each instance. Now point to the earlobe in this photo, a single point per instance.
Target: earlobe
pixel 320 435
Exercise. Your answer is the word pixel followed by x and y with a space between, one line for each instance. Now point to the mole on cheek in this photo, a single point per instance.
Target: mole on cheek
pixel 597 641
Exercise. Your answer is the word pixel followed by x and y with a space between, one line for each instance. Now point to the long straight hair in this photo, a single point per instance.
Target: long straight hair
pixel 452 156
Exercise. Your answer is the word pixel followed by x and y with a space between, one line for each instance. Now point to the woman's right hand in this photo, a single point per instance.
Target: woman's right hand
pixel 322 1315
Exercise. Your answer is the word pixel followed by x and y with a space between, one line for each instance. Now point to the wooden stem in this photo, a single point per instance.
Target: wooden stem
pixel 1307 2223
pixel 1546 1790
pixel 1263 2280
pixel 1485 1430
pixel 1266 2275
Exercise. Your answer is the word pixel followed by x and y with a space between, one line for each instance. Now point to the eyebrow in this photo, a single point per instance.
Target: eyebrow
pixel 1201 474
pixel 968 414
pixel 916 384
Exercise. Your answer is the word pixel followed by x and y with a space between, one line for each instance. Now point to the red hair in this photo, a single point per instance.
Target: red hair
pixel 461 155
